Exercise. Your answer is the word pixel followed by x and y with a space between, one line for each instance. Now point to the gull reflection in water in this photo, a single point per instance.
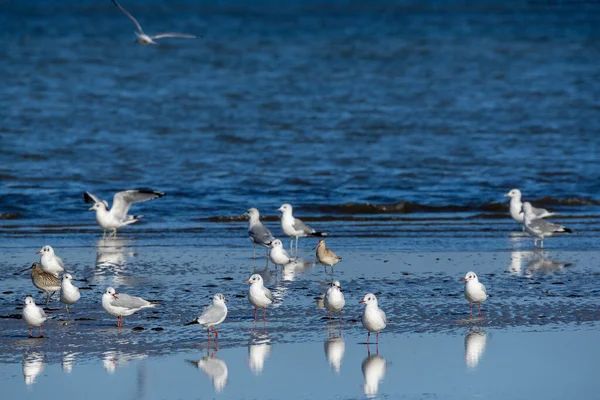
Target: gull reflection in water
pixel 68 359
pixel 111 257
pixel 259 348
pixel 296 267
pixel 113 359
pixel 543 265
pixel 517 261
pixel 214 368
pixel 475 342
pixel 33 365
pixel 334 352
pixel 373 368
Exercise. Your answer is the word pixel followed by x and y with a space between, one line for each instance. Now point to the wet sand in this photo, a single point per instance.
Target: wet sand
pixel 544 299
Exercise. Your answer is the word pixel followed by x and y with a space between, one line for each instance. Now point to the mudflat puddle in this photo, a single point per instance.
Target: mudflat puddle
pixel 477 363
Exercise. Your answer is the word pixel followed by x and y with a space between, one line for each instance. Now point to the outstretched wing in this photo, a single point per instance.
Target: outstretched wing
pixel 124 11
pixel 130 302
pixel 123 200
pixel 301 226
pixel 173 34
pixel 93 199
pixel 260 234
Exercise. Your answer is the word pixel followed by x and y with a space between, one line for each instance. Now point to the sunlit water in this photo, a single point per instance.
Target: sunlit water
pixel 395 127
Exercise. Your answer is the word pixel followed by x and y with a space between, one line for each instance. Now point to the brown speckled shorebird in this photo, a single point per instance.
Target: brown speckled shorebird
pixel 325 256
pixel 43 280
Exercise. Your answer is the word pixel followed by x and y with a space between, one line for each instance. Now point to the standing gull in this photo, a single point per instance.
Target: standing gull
pixel 117 216
pixel 120 304
pixel 278 255
pixel 516 207
pixel 257 232
pixel 33 315
pixel 258 295
pixel 69 293
pixel 334 299
pixel 294 227
pixel 538 227
pixel 143 38
pixel 51 263
pixel 373 319
pixel 44 280
pixel 212 315
pixel 326 256
pixel 475 292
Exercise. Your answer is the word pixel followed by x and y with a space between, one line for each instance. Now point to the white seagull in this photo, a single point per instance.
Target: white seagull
pixel 373 318
pixel 257 232
pixel 212 315
pixel 475 292
pixel 120 305
pixel 117 216
pixel 33 315
pixel 294 227
pixel 258 295
pixel 278 255
pixel 51 263
pixel 144 39
pixel 69 293
pixel 516 207
pixel 334 299
pixel 538 227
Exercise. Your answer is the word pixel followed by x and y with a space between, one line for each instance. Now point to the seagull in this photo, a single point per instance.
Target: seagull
pixel 44 280
pixel 69 293
pixel 326 256
pixel 474 291
pixel 51 262
pixel 373 318
pixel 258 295
pixel 120 304
pixel 538 227
pixel 33 315
pixel 117 216
pixel 144 39
pixel 293 227
pixel 257 232
pixel 278 255
pixel 516 207
pixel 334 299
pixel 212 315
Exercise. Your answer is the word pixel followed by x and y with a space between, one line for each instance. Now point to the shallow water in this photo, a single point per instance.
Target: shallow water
pixel 395 127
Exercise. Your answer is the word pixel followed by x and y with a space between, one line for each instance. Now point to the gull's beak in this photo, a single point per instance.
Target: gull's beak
pixel 279 209
pixel 91 208
pixel 463 279
pixel 38 252
pixel 225 299
pixel 116 295
pixel 247 281
pixel 506 195
pixel 362 301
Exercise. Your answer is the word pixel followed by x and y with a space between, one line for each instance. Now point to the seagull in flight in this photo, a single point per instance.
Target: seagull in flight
pixel 145 39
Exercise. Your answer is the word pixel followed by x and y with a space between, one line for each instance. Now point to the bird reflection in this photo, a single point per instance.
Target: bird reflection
pixel 373 368
pixel 215 369
pixel 111 257
pixel 33 365
pixel 517 259
pixel 259 348
pixel 68 359
pixel 541 264
pixel 334 351
pixel 295 267
pixel 113 359
pixel 475 342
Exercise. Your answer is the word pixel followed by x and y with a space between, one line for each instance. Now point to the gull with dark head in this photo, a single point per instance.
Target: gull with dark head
pixel 117 216
pixel 539 228
pixel 475 292
pixel 120 304
pixel 212 315
pixel 145 39
pixel 294 227
pixel 50 262
pixel 257 232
